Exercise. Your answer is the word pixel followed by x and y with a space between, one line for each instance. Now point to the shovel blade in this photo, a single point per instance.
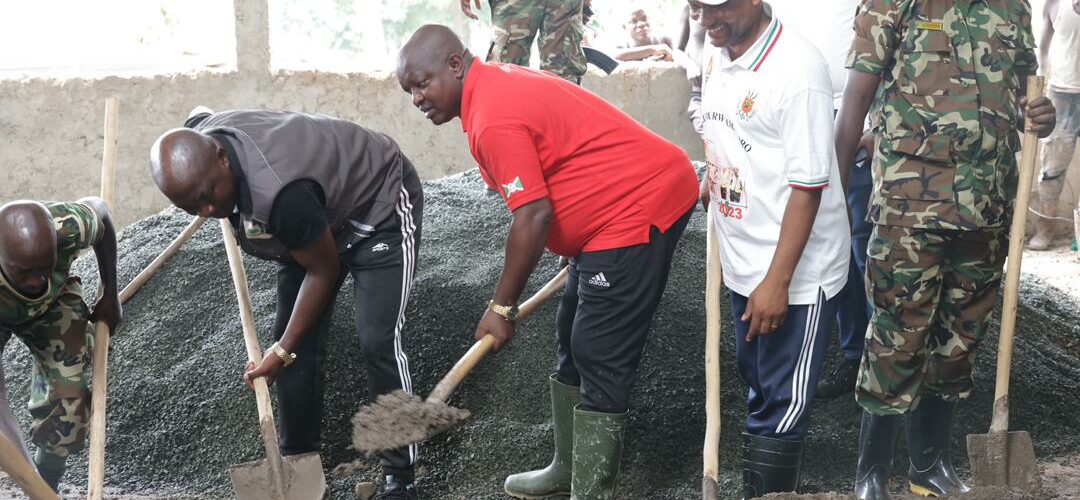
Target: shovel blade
pixel 709 489
pixel 304 478
pixel 1003 459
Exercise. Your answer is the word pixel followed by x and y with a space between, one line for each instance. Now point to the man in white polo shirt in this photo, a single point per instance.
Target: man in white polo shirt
pixel 773 179
pixel 828 24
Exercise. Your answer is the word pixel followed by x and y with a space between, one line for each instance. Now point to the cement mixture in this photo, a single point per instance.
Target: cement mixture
pixel 179 414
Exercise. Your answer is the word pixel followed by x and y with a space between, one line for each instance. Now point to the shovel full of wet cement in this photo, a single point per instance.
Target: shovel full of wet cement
pixel 399 419
pixel 1001 457
pixel 298 477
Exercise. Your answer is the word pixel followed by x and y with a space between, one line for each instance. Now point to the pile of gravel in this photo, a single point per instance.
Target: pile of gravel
pixel 179 414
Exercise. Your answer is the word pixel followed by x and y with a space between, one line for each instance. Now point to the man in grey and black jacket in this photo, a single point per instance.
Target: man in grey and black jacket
pixel 322 197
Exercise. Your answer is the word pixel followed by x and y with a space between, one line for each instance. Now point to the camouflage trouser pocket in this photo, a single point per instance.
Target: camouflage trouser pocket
pixel 517 23
pixel 514 24
pixel 60 388
pixel 560 40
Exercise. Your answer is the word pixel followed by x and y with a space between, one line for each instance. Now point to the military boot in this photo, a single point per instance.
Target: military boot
pixel 770 465
pixel 597 453
pixel 555 478
pixel 929 428
pixel 50 467
pixel 838 382
pixel 877 439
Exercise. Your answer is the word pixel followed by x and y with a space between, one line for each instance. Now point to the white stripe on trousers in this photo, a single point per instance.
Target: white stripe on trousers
pixel 408 248
pixel 801 379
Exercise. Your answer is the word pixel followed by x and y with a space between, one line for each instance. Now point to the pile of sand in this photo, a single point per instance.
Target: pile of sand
pixel 179 415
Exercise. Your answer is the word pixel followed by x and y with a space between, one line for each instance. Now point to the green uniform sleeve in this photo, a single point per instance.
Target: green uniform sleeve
pixel 1026 63
pixel 77 225
pixel 876 36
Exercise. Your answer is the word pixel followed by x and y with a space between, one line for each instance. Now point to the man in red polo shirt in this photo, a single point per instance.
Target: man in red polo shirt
pixel 588 182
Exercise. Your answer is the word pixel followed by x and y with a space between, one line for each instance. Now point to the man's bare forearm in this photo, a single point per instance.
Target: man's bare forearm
pixel 858 95
pixel 795 229
pixel 524 246
pixel 105 248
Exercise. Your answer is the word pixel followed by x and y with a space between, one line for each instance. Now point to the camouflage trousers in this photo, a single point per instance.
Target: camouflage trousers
pixel 516 23
pixel 933 292
pixel 60 387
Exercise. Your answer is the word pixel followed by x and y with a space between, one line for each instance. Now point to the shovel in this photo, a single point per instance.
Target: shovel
pixel 400 419
pixel 296 477
pixel 95 486
pixel 1001 457
pixel 710 490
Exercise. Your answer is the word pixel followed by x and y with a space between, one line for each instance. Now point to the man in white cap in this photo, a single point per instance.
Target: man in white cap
pixel 774 183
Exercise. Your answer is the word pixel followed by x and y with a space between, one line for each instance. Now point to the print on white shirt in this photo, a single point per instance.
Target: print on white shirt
pixel 726 187
pixel 746 109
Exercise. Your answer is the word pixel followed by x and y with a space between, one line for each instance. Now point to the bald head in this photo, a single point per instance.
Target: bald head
pixel 431 67
pixel 179 157
pixel 27 245
pixel 430 45
pixel 191 169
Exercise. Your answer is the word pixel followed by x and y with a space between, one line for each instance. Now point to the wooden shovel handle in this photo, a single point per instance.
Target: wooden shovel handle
pixel 95 489
pixel 108 156
pixel 161 259
pixel 713 327
pixel 480 349
pixel 1030 152
pixel 14 463
pixel 254 353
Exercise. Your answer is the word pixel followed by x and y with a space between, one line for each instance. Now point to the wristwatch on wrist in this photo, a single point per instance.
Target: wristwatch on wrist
pixel 509 312
pixel 287 358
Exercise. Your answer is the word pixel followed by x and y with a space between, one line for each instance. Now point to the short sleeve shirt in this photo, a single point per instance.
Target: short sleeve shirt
pixel 608 178
pixel 947 111
pixel 768 130
pixel 77 227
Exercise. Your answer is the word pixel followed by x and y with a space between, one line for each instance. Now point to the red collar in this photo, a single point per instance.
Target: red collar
pixel 475 69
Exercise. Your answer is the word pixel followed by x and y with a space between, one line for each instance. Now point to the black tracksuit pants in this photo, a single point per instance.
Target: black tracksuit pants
pixel 382 268
pixel 605 313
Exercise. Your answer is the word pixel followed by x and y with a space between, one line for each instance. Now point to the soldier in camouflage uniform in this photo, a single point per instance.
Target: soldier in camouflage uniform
pixel 42 305
pixel 947 80
pixel 516 23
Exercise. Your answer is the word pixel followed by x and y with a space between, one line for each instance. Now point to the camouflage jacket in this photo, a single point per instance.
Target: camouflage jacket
pixel 77 227
pixel 946 112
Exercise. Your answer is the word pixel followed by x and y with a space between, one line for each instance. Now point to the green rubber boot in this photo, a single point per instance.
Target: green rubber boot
pixel 597 452
pixel 553 480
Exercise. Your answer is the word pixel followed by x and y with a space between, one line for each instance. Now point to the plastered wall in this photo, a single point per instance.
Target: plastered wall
pixel 53 136
pixel 52 131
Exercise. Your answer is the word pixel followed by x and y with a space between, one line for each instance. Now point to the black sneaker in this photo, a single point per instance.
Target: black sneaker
pixel 838 382
pixel 397 489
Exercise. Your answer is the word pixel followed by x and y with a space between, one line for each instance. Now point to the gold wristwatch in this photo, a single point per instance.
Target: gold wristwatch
pixel 509 312
pixel 287 358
